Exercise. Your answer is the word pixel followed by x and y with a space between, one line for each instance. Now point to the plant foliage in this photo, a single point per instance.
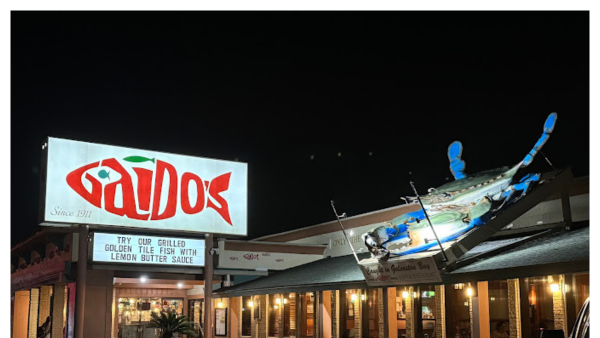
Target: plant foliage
pixel 169 323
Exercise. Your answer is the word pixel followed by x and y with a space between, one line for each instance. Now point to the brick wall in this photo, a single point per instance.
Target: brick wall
pixel 440 311
pixel 34 302
pixel 45 294
pixel 558 304
pixel 514 308
pixel 335 310
pixel 410 319
pixel 380 305
pixel 58 309
pixel 259 325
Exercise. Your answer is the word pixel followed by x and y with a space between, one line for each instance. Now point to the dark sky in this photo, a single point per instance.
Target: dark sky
pixel 388 90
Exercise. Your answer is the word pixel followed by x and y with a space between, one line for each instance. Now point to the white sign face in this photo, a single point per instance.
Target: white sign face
pixel 113 248
pixel 400 271
pixel 230 259
pixel 95 184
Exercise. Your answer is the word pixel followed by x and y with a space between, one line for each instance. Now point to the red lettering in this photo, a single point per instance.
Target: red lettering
pixel 170 210
pixel 129 205
pixel 144 188
pixel 185 197
pixel 75 182
pixel 217 186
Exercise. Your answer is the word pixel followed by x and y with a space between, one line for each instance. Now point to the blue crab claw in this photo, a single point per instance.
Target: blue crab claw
pixel 548 128
pixel 457 165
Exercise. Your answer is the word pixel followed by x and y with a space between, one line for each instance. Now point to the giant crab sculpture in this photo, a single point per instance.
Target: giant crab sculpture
pixel 456 207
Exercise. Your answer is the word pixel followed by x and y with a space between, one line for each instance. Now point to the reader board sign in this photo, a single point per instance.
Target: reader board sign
pixel 135 249
pixel 400 271
pixel 87 183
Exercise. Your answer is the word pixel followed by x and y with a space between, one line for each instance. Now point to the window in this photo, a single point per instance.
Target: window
pixel 401 297
pixel 247 307
pixel 428 309
pixel 373 308
pixel 274 315
pixel 307 314
pixel 498 304
pixel 459 316
pixel 288 304
pixel 541 308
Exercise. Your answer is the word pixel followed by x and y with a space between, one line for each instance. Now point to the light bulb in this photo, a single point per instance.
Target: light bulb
pixel 469 292
pixel 353 297
pixel 554 287
pixel 250 303
pixel 404 294
pixel 277 300
pixel 285 301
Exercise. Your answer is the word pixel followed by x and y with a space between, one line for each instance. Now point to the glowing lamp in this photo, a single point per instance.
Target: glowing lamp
pixel 277 300
pixel 219 304
pixel 554 287
pixel 285 301
pixel 363 297
pixel 353 297
pixel 469 292
pixel 404 294
pixel 276 307
pixel 250 303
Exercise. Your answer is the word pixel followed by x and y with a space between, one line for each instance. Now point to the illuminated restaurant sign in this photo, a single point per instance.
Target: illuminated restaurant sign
pixel 87 183
pixel 113 248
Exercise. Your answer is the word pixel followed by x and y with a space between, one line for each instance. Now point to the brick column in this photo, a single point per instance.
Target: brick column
pixel 514 308
pixel 45 295
pixel 34 303
pixel 410 332
pixel 58 310
pixel 440 311
pixel 558 303
pixel 381 312
pixel 335 312
pixel 259 325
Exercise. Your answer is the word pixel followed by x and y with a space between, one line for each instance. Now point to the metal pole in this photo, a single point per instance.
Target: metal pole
pixel 344 230
pixel 82 259
pixel 208 283
pixel 430 224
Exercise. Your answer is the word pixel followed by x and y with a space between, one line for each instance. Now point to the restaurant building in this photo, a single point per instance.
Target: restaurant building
pixel 530 274
pixel 527 269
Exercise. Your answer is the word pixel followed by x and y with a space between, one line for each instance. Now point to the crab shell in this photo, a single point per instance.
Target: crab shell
pixel 471 189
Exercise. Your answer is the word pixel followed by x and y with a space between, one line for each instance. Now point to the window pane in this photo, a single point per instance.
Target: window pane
pixel 498 304
pixel 428 309
pixel 308 314
pixel 373 306
pixel 460 316
pixel 541 309
pixel 247 316
pixel 274 315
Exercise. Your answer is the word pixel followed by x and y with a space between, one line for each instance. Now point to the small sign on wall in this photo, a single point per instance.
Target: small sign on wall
pixel 400 271
pixel 220 322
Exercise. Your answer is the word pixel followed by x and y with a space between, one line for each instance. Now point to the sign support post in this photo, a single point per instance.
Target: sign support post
pixel 82 259
pixel 208 281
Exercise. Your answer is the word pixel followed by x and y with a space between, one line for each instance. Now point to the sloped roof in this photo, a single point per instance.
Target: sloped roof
pixel 561 251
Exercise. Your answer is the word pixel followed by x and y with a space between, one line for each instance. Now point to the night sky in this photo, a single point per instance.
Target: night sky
pixel 288 92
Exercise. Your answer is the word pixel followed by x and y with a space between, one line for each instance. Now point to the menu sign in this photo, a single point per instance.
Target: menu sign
pixel 400 271
pixel 115 248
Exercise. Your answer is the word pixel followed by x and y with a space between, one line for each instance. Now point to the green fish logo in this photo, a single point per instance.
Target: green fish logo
pixel 104 174
pixel 138 159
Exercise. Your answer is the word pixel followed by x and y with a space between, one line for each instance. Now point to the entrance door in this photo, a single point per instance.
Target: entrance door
pixel 195 311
